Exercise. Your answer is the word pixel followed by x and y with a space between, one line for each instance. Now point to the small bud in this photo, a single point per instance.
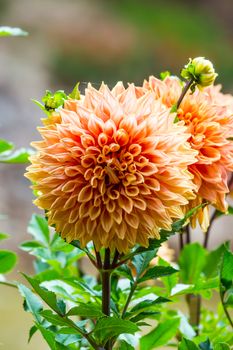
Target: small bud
pixel 53 101
pixel 201 71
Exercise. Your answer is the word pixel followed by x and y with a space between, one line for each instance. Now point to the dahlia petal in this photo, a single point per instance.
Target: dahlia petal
pixel 85 194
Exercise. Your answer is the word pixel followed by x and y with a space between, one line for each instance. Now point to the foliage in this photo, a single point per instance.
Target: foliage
pixel 66 304
pixel 9 31
pixel 9 155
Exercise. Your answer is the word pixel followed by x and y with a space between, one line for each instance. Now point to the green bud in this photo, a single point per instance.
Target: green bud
pixel 201 71
pixel 53 101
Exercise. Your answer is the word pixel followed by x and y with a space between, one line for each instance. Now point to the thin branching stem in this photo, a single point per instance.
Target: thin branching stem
pixel 187 86
pixel 133 288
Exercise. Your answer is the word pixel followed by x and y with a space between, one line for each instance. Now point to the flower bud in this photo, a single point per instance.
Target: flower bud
pixel 53 101
pixel 201 71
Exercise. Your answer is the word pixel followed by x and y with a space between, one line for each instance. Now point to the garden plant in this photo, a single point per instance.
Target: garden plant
pixel 117 172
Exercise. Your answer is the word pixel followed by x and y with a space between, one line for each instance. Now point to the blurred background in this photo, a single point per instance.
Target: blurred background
pixel 90 40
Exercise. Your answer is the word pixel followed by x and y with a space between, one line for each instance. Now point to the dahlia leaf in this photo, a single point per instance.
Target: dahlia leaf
pixel 54 319
pixel 48 335
pixel 141 262
pixel 38 228
pixel 8 260
pixel 86 310
pixel 32 331
pixel 213 261
pixel 124 271
pixel 9 31
pixel 145 305
pixel 192 261
pixel 32 302
pixel 48 296
pixel 109 327
pixel 187 344
pixel 142 315
pixel 227 270
pixel 157 272
pixel 30 245
pixel 160 335
pixel 67 339
pixel 169 281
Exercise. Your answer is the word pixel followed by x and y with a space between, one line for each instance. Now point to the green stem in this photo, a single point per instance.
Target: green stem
pixel 184 91
pixel 133 288
pixel 194 304
pixel 207 234
pixel 106 288
pixel 9 284
pixel 225 309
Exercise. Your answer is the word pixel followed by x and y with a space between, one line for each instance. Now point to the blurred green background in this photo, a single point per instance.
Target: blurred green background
pixel 89 40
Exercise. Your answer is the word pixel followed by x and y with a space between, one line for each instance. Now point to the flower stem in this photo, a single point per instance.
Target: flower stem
pixel 225 309
pixel 184 91
pixel 106 288
pixel 207 234
pixel 133 288
pixel 194 304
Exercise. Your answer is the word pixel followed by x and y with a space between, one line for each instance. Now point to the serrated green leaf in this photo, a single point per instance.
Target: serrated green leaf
pixel 192 261
pixel 8 260
pixel 33 303
pixel 5 145
pixel 109 327
pixel 47 296
pixel 67 339
pixel 157 272
pixel 32 331
pixel 187 344
pixel 160 335
pixel 48 335
pixel 145 304
pixel 141 262
pixel 142 315
pixel 86 310
pixel 10 31
pixel 226 275
pixel 213 261
pixel 52 318
pixel 38 228
pixel 169 281
pixel 124 271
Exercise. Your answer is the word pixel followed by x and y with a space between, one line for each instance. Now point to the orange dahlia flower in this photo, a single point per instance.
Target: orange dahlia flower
pixel 112 169
pixel 208 115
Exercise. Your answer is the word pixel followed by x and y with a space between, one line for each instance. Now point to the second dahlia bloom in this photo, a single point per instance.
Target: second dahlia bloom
pixel 112 168
pixel 208 115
